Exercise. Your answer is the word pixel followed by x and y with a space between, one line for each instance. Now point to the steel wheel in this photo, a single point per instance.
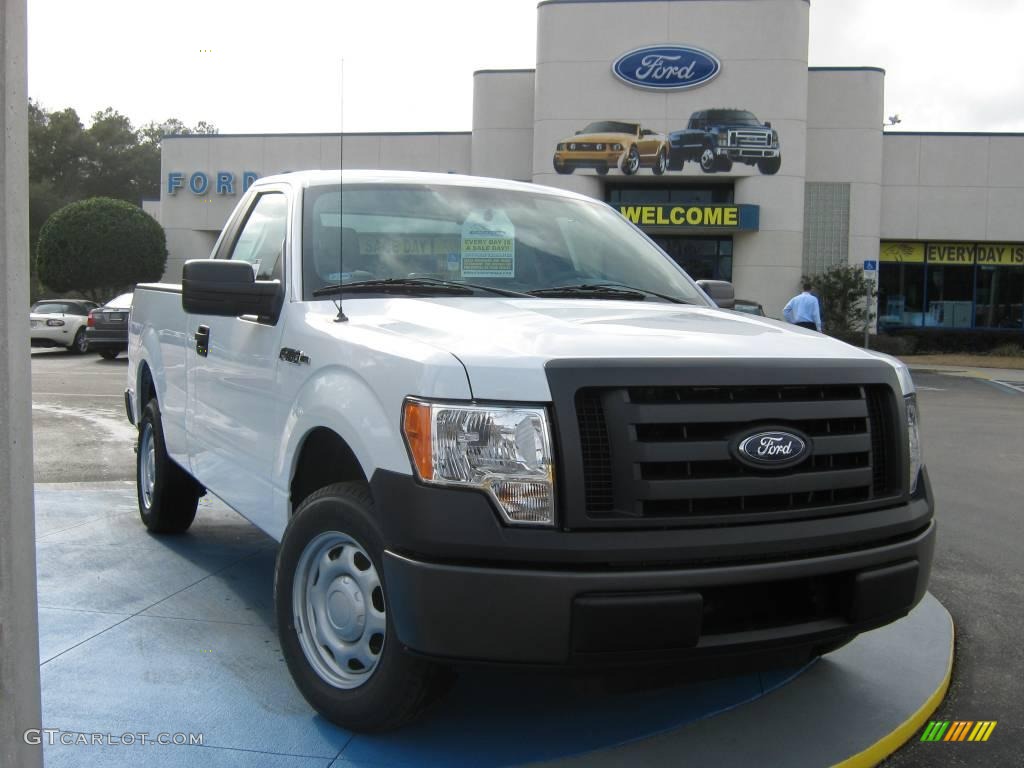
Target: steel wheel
pixel 339 610
pixel 147 464
pixel 707 160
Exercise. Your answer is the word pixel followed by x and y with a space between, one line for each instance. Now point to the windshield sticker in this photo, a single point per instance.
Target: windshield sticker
pixel 488 245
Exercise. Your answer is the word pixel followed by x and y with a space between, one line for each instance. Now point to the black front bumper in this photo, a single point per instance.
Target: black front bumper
pixel 462 586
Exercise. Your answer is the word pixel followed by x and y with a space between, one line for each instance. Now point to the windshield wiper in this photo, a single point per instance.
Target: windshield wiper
pixel 411 285
pixel 605 291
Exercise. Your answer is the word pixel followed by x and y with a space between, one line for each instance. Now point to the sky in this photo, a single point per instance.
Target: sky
pixel 269 66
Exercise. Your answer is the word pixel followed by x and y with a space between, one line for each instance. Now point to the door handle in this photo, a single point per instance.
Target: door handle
pixel 203 340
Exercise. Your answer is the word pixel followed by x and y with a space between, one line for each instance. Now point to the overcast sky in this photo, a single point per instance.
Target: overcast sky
pixel 262 66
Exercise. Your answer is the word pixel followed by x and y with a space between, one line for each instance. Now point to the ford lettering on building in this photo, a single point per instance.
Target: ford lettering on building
pixel 666 67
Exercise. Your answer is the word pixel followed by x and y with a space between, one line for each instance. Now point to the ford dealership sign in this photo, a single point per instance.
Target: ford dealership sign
pixel 666 67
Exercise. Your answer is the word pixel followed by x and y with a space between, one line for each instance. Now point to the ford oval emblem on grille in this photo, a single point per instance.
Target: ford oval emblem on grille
pixel 772 449
pixel 666 67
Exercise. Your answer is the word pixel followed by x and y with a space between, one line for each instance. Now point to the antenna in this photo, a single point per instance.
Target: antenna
pixel 341 318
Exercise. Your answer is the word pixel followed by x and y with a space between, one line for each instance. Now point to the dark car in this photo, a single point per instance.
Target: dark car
pixel 108 327
pixel 716 138
pixel 749 307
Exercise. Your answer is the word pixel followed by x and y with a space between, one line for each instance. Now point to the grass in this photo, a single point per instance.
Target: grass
pixel 1014 362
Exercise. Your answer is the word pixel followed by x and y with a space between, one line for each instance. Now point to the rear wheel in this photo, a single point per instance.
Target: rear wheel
pixel 108 354
pixel 332 616
pixel 80 345
pixel 660 163
pixel 168 495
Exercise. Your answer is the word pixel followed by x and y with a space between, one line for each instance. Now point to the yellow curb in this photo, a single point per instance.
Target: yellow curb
pixel 888 744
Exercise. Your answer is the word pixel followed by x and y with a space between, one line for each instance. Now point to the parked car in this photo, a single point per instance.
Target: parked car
pixel 608 144
pixel 492 422
pixel 750 307
pixel 716 138
pixel 107 327
pixel 60 323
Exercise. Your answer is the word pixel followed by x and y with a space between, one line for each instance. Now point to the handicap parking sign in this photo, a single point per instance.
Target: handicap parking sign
pixel 870 265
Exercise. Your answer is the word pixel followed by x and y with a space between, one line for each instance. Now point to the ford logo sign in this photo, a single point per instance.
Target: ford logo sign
pixel 772 449
pixel 666 67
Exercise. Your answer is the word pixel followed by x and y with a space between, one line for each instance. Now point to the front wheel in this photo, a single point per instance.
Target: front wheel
pixel 661 163
pixel 708 160
pixel 631 161
pixel 331 604
pixel 168 496
pixel 769 165
pixel 561 167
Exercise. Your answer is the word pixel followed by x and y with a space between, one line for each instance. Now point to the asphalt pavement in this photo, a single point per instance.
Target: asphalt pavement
pixel 973 431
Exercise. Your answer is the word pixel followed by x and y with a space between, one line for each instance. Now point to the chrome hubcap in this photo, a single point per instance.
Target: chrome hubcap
pixel 339 612
pixel 147 465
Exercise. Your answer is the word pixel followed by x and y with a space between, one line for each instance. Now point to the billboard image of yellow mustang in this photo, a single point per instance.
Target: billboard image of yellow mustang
pixel 609 144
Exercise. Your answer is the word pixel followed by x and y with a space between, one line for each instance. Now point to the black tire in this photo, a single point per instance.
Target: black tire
pixel 562 168
pixel 398 686
pixel 630 161
pixel 169 506
pixel 708 161
pixel 724 164
pixel 660 163
pixel 833 645
pixel 676 161
pixel 769 166
pixel 80 344
pixel 602 170
pixel 109 354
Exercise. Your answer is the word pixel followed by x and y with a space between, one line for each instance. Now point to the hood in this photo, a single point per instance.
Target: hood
pixel 504 343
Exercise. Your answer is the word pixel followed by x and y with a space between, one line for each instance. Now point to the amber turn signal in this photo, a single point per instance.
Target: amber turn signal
pixel 416 428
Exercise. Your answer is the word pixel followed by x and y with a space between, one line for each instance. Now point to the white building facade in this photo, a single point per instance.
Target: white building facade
pixel 701 122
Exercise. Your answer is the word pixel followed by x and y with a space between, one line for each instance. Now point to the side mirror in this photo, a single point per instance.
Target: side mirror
pixel 767 124
pixel 720 291
pixel 578 133
pixel 228 289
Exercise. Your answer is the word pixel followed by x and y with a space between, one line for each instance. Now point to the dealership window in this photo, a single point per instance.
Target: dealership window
pixel 703 258
pixel 950 296
pixel 900 295
pixel 654 195
pixel 999 296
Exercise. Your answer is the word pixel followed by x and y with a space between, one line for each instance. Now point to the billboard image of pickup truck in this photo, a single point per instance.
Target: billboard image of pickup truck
pixel 608 144
pixel 717 138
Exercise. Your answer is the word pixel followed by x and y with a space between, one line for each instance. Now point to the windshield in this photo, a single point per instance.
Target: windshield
pixel 513 240
pixel 733 117
pixel 610 126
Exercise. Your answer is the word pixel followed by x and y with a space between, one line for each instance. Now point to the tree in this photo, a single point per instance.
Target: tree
pixel 841 291
pixel 100 247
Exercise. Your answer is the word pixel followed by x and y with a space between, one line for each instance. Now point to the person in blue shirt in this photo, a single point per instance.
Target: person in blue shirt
pixel 803 310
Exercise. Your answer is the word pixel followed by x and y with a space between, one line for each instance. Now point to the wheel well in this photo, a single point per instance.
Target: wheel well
pixel 147 389
pixel 323 459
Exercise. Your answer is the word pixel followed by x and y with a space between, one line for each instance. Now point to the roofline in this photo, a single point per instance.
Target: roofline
pixel 952 133
pixel 503 71
pixel 846 69
pixel 314 135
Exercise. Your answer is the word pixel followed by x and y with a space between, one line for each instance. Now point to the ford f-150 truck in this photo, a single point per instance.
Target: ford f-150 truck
pixel 493 422
pixel 716 138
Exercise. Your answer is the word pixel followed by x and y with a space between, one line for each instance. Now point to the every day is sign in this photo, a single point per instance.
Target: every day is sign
pixel 993 254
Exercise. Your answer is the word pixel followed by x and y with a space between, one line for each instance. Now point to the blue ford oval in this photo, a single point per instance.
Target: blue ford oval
pixel 666 67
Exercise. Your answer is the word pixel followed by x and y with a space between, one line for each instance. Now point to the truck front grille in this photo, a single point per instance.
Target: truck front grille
pixel 751 138
pixel 657 455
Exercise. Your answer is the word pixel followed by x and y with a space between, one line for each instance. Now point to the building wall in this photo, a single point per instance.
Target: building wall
pixel 502 143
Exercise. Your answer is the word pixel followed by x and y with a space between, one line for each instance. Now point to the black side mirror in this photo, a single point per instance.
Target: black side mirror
pixel 720 291
pixel 228 289
pixel 767 124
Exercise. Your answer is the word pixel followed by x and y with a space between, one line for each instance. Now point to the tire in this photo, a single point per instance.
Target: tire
pixel 562 168
pixel 769 166
pixel 833 645
pixel 724 164
pixel 80 344
pixel 660 163
pixel 602 170
pixel 168 496
pixel 368 682
pixel 109 354
pixel 631 161
pixel 708 161
pixel 676 161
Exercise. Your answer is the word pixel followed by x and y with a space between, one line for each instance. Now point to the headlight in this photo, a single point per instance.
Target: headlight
pixel 616 147
pixel 913 439
pixel 503 450
pixel 599 147
pixel 775 137
pixel 560 148
pixel 55 323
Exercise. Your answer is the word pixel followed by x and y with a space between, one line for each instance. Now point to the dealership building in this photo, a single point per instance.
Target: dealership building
pixel 700 121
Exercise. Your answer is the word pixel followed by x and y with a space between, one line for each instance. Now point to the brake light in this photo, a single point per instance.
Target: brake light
pixel 91 322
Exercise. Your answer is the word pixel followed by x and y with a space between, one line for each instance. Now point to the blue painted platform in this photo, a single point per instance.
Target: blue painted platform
pixel 145 634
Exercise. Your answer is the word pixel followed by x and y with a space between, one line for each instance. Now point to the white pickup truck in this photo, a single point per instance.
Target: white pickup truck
pixel 493 422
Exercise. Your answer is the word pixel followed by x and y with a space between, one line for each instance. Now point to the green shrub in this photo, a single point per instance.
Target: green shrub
pixel 841 292
pixel 100 247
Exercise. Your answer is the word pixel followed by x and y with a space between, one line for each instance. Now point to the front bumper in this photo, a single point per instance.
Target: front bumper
pixel 463 587
pixel 749 153
pixel 595 159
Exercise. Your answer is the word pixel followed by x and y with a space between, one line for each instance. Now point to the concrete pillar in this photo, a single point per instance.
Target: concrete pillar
pixel 19 631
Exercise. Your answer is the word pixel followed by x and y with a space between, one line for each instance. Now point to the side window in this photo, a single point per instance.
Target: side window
pixel 261 240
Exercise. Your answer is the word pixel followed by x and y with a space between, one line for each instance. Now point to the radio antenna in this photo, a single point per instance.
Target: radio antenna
pixel 341 318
